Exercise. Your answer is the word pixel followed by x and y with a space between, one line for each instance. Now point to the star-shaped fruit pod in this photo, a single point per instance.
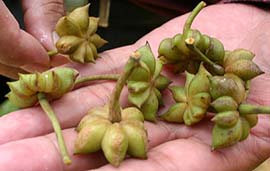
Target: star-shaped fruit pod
pixel 54 83
pixel 78 37
pixel 113 130
pixel 145 84
pixel 39 87
pixel 192 100
pixel 234 117
pixel 239 62
pixel 185 52
pixel 231 124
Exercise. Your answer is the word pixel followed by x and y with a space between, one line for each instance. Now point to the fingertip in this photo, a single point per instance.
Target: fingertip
pixel 34 67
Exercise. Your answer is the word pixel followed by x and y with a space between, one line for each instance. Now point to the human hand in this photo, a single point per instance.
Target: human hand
pixel 21 50
pixel 28 145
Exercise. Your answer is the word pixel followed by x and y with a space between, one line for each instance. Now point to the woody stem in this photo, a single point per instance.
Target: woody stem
pixel 114 105
pixel 56 126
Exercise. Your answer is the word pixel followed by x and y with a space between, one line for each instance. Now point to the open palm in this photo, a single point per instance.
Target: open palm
pixel 28 145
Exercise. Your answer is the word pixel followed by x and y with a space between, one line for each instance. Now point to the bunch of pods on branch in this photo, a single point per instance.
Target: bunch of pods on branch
pixel 217 81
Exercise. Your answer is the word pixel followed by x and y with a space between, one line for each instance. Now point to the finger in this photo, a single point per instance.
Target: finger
pixel 69 110
pixel 18 48
pixel 41 153
pixel 10 72
pixel 189 148
pixel 40 18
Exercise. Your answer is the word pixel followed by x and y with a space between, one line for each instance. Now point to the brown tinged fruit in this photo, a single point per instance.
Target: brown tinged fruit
pixel 90 137
pixel 175 51
pixel 118 132
pixel 78 38
pixel 224 137
pixel 53 83
pixel 239 62
pixel 226 119
pixel 128 136
pixel 115 144
pixel 227 85
pixel 224 103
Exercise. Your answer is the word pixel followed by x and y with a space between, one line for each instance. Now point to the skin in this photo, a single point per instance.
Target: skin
pixel 33 43
pixel 27 141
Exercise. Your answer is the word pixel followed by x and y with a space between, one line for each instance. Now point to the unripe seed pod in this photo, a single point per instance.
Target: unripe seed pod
pixel 88 120
pixel 97 40
pixel 192 101
pixel 68 44
pixel 137 138
pixel 78 37
pixel 175 113
pixel 224 103
pixel 145 84
pixel 150 107
pixel 237 54
pixel 80 17
pixel 227 86
pixel 53 83
pixel 200 83
pixel 226 119
pixel 239 62
pixel 252 119
pixel 90 136
pixel 226 137
pixel 245 129
pixel 132 113
pixel 162 82
pixel 65 26
pixel 115 144
pixel 215 51
pixel 178 93
pixel 168 53
pixel 245 69
pixel 137 86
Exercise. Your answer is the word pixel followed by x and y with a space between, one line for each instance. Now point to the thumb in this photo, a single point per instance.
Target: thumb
pixel 40 18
